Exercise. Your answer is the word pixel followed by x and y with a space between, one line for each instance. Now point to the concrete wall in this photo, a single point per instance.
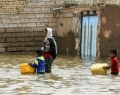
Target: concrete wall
pixel 22 23
pixel 65 36
pixel 109 29
pixel 68 27
pixel 20 40
pixel 91 2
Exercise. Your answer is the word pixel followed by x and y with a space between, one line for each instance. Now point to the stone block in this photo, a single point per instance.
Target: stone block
pixel 1 45
pixel 6 44
pixel 33 43
pixel 29 29
pixel 15 34
pixel 47 0
pixel 28 10
pixel 9 49
pixel 40 33
pixel 23 16
pixel 44 20
pixel 1 34
pixel 38 29
pixel 16 44
pixel 30 49
pixel 7 35
pixel 31 15
pixel 25 34
pixel 49 15
pixel 24 44
pixel 0 20
pixel 40 44
pixel 39 39
pixel 2 49
pixel 50 2
pixel 40 15
pixel 4 25
pixel 46 9
pixel 16 20
pixel 30 39
pixel 14 16
pixel 24 20
pixel 20 29
pixel 7 20
pixel 5 16
pixel 37 9
pixel 20 49
pixel 10 29
pixel 32 3
pixel 12 25
pixel 41 3
pixel 34 20
pixel 60 2
pixel 21 39
pixel 38 47
pixel 2 40
pixel 41 24
pixel 2 30
pixel 31 25
pixel 33 34
pixel 22 25
pixel 11 40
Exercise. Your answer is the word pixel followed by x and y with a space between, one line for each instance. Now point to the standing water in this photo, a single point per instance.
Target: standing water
pixel 70 76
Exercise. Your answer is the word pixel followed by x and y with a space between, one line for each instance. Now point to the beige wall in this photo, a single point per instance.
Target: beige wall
pixel 109 29
pixel 67 29
pixel 64 26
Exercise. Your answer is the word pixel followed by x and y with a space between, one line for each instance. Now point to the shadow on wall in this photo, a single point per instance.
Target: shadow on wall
pixel 66 44
pixel 109 30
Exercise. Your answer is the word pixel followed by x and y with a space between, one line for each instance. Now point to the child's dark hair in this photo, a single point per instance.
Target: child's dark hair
pixel 39 52
pixel 114 51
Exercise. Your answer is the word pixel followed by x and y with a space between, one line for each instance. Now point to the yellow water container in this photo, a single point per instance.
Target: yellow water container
pixel 98 69
pixel 26 69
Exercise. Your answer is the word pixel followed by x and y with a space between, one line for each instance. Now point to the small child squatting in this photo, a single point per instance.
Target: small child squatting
pixel 39 63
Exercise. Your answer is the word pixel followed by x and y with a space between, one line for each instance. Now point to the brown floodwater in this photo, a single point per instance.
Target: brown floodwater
pixel 70 75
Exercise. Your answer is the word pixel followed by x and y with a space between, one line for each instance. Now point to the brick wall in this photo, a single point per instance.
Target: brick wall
pixel 22 23
pixel 20 40
pixel 91 2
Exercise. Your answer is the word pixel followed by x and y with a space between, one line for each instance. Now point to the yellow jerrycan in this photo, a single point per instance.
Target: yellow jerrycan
pixel 98 70
pixel 26 69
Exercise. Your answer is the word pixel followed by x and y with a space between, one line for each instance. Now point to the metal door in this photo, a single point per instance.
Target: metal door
pixel 89 36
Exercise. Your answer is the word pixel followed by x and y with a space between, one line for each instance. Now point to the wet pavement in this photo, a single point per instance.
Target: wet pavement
pixel 70 75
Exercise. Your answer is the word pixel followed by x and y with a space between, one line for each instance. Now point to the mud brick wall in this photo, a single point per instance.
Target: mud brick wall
pixel 109 29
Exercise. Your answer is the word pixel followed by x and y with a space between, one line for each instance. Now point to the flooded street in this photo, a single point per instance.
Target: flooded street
pixel 70 76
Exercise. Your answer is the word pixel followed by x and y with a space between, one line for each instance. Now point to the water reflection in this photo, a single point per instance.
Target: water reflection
pixel 70 75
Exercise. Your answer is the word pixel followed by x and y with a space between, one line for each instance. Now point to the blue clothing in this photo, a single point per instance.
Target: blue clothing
pixel 39 64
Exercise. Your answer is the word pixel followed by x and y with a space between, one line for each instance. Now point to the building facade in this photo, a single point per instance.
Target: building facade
pixel 85 27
